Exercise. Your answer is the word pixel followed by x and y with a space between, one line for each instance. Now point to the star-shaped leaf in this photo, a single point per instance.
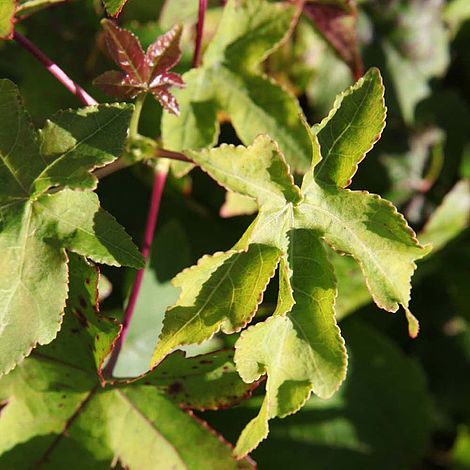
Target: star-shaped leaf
pixel 47 206
pixel 230 80
pixel 57 413
pixel 299 347
pixel 142 72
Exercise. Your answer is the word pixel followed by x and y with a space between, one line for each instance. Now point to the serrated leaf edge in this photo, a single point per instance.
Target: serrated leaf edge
pixel 337 104
pixel 15 362
pixel 220 327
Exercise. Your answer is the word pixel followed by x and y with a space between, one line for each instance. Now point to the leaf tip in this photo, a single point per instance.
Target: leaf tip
pixel 413 323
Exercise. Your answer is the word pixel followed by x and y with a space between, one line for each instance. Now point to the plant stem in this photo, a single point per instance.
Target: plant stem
pixel 55 70
pixel 200 32
pixel 152 216
pixel 163 153
pixel 134 124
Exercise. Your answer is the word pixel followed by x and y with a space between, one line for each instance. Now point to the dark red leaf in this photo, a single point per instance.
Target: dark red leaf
pixel 165 52
pixel 142 73
pixel 166 99
pixel 337 24
pixel 117 84
pixel 125 49
pixel 169 78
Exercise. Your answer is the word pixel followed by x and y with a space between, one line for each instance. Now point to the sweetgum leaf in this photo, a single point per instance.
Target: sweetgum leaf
pixel 7 18
pixel 37 224
pixel 56 408
pixel 230 80
pixel 300 346
pixel 142 72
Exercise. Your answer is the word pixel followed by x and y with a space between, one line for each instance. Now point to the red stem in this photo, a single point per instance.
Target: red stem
pixel 152 216
pixel 200 32
pixel 55 70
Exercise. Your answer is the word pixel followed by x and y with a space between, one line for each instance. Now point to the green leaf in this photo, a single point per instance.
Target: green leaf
pixel 300 347
pixel 301 351
pixel 229 80
pixel 28 7
pixel 76 220
pixel 360 107
pixel 207 302
pixel 205 382
pixel 90 328
pixel 75 142
pixel 57 414
pixel 380 418
pixel 36 225
pixel 114 7
pixel 7 16
pixel 236 204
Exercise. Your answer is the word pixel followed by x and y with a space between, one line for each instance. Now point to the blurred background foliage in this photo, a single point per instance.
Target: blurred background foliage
pixel 405 404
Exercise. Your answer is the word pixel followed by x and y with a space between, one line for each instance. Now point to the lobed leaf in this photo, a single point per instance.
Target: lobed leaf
pixel 299 347
pixel 142 72
pixel 37 225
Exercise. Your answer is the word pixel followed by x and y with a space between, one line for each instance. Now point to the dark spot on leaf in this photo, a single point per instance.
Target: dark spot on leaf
pixel 75 330
pixel 97 337
pixel 205 361
pixel 81 318
pixel 87 281
pixel 195 367
pixel 82 302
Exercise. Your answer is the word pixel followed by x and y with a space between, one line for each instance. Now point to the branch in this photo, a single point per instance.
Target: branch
pixel 200 32
pixel 55 70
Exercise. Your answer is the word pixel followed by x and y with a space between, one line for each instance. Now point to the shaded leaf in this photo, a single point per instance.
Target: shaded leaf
pixel 450 218
pixel 73 415
pixel 36 225
pixel 380 418
pixel 230 80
